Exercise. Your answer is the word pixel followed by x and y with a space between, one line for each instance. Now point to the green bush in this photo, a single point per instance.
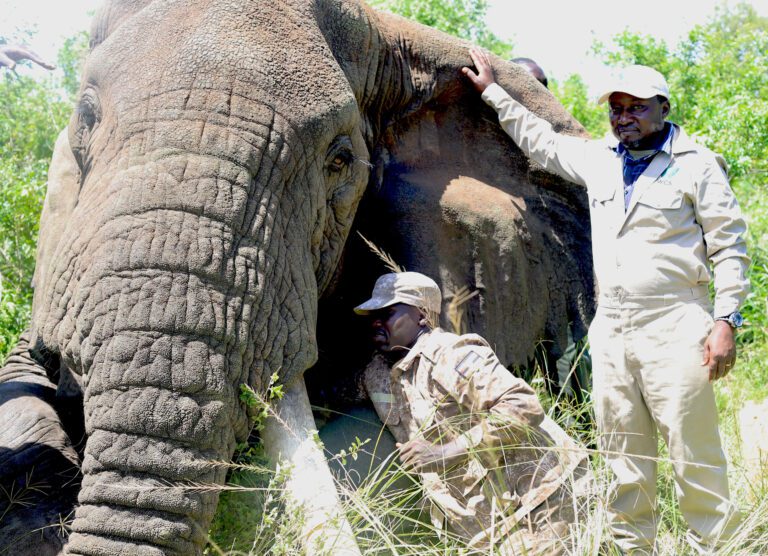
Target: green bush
pixel 34 113
pixel 462 18
pixel 574 96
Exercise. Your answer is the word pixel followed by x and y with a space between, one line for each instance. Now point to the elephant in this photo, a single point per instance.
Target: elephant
pixel 199 234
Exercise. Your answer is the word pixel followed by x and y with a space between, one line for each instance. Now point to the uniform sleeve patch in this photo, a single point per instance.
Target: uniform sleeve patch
pixel 468 364
pixel 382 397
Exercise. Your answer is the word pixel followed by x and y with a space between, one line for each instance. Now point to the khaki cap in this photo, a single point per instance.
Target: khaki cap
pixel 638 81
pixel 411 288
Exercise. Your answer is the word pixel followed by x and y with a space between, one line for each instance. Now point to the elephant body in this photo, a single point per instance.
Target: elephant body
pixel 219 156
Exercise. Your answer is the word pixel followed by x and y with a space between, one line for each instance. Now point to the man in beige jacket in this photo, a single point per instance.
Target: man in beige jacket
pixel 664 221
pixel 498 472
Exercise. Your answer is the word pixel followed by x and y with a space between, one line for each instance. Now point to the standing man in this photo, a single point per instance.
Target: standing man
pixel 664 219
pixel 498 472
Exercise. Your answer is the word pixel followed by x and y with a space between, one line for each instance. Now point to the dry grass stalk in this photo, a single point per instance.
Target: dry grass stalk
pixel 386 258
pixel 456 312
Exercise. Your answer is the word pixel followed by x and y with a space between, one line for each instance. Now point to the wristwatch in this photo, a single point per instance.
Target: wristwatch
pixel 734 319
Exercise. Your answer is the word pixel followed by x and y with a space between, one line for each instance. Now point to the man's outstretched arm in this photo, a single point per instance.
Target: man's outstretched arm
pixel 563 155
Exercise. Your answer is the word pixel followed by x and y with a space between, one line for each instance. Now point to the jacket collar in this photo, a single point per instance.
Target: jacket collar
pixel 427 346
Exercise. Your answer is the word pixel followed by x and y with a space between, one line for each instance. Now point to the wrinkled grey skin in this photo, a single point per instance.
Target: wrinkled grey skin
pixel 221 150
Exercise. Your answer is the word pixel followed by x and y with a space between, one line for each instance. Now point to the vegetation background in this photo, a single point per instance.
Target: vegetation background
pixel 719 85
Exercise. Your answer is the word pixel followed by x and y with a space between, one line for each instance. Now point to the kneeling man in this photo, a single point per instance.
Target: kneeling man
pixel 496 469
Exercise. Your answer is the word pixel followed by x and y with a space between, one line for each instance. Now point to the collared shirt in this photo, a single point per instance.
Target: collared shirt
pixel 682 217
pixel 635 163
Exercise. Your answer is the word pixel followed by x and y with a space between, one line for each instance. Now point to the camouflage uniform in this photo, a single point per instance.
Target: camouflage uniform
pixel 514 489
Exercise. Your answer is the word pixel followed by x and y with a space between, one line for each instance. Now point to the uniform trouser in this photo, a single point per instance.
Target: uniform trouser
pixel 648 376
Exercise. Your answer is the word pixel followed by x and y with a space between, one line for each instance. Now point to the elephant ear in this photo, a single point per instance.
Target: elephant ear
pixel 111 15
pixel 63 186
pixel 60 200
pixel 456 199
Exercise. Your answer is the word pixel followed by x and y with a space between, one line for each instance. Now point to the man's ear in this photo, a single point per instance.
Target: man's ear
pixel 666 107
pixel 423 319
pixel 457 200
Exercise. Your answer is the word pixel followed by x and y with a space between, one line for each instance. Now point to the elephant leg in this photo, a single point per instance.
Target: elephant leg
pixel 39 469
pixel 290 438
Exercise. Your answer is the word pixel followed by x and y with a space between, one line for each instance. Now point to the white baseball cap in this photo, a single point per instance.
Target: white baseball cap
pixel 638 81
pixel 411 288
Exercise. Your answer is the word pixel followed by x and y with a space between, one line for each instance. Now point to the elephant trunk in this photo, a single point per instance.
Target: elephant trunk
pixel 159 332
pixel 178 296
pixel 155 451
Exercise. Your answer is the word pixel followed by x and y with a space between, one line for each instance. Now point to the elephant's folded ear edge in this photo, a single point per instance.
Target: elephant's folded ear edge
pixel 111 15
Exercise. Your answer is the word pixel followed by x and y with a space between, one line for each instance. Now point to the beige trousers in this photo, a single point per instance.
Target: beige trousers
pixel 648 378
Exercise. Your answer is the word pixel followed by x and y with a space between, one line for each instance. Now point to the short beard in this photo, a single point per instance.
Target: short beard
pixel 633 145
pixel 395 354
pixel 648 142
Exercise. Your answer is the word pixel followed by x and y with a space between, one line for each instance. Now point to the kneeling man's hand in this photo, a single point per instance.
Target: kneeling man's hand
pixel 425 457
pixel 719 351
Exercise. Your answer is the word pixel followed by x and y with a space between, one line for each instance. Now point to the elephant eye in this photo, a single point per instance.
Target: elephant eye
pixel 340 154
pixel 88 112
pixel 85 119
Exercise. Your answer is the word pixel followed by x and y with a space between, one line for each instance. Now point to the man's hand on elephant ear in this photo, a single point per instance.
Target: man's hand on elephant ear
pixel 484 77
pixel 10 54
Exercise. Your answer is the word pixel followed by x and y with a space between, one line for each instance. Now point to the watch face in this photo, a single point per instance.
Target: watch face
pixel 736 319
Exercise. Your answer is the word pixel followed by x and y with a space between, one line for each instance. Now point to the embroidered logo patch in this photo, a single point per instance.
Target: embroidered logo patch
pixel 669 172
pixel 382 397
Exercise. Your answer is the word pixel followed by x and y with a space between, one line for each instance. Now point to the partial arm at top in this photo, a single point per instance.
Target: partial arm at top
pixel 11 54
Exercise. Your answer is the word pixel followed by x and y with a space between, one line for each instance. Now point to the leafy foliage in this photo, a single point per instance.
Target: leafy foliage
pixel 70 60
pixel 462 18
pixel 34 113
pixel 574 96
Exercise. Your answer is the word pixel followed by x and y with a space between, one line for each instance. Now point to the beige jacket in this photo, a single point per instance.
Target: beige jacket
pixel 451 386
pixel 682 215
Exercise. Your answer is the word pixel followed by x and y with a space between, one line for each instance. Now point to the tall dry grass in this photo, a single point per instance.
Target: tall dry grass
pixel 389 520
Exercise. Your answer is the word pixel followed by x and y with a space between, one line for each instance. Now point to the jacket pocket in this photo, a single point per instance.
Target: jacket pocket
pixel 661 198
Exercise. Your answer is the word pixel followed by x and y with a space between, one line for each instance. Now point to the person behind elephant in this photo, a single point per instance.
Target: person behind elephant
pixel 664 220
pixel 533 68
pixel 493 465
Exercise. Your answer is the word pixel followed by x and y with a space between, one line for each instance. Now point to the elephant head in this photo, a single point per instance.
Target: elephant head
pixel 222 148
